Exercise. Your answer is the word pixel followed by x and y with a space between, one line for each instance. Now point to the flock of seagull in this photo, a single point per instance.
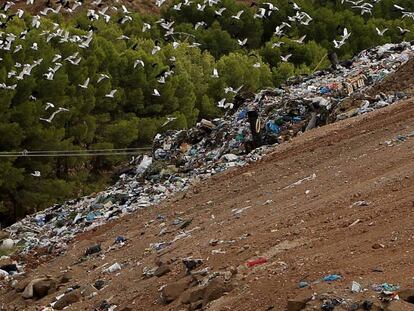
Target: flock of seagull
pixel 97 10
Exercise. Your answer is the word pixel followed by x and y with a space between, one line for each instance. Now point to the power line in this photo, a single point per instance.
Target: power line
pixel 75 153
pixel 69 151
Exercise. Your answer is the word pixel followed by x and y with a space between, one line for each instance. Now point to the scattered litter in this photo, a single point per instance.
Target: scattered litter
pixel 93 250
pixel 256 262
pixel 385 287
pixel 311 177
pixel 238 211
pixel 331 278
pixel 355 222
pixel 217 251
pixel 115 267
pixel 181 157
pixel 356 287
pixel 360 203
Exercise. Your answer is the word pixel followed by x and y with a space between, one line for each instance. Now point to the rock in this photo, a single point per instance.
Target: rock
pixel 295 305
pixel 5 261
pixel 407 295
pixel 3 235
pixel 185 223
pixel 193 295
pixel 67 300
pixel 99 284
pixel 9 268
pixel 44 288
pixel 87 291
pixel 399 306
pixel 21 285
pixel 190 263
pixel 198 305
pixel 162 270
pixel 377 246
pixel 93 250
pixel 299 303
pixel 7 244
pixel 172 291
pixel 216 289
pixel 39 288
pixel 3 274
pixel 65 278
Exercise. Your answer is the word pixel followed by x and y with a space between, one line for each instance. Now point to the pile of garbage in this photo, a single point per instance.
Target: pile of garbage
pixel 244 135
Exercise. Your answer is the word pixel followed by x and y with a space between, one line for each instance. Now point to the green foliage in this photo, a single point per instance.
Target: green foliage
pixel 134 116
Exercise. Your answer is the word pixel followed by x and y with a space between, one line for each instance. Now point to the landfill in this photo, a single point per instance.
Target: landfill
pixel 245 134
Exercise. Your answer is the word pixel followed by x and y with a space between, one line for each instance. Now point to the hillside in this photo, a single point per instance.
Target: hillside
pixel 304 236
pixel 336 200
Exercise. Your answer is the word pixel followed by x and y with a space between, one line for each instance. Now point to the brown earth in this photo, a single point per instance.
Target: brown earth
pixel 303 236
pixel 401 80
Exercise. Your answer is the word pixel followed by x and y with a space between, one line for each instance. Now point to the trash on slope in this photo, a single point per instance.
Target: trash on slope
pixel 244 135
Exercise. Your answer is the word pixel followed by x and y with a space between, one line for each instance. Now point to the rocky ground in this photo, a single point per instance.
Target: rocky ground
pixel 336 200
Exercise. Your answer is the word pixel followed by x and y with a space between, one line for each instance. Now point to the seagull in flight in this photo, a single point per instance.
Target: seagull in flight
pixel 156 93
pixel 237 16
pixel 36 174
pixel 381 32
pixel 139 62
pixel 49 120
pixel 102 77
pixel 222 104
pixel 215 73
pixel 85 84
pixel 220 11
pixel 111 94
pixel 231 90
pixel 300 40
pixel 403 31
pixel 242 42
pixel 49 105
pixel 169 120
pixel 285 58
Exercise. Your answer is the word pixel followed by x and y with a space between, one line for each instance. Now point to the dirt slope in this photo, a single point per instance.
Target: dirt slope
pixel 304 236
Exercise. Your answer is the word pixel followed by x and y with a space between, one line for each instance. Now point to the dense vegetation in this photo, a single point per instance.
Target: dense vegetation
pixel 135 115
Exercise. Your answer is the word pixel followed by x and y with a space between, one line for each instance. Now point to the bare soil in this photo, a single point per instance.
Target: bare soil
pixel 306 231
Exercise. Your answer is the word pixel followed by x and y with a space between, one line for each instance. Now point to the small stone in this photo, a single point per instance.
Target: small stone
pixel 93 250
pixel 216 289
pixel 185 224
pixel 21 285
pixel 39 288
pixel 99 284
pixel 407 295
pixel 377 246
pixel 44 288
pixel 67 300
pixel 399 306
pixel 162 270
pixel 172 291
pixel 300 302
pixel 193 295
pixel 7 244
pixel 65 278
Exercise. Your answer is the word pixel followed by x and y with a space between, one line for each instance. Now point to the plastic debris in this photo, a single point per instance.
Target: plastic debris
pixel 385 287
pixel 256 262
pixel 115 267
pixel 244 135
pixel 93 250
pixel 356 287
pixel 331 278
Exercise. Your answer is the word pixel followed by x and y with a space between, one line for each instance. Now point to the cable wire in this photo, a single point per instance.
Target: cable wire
pixel 72 154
